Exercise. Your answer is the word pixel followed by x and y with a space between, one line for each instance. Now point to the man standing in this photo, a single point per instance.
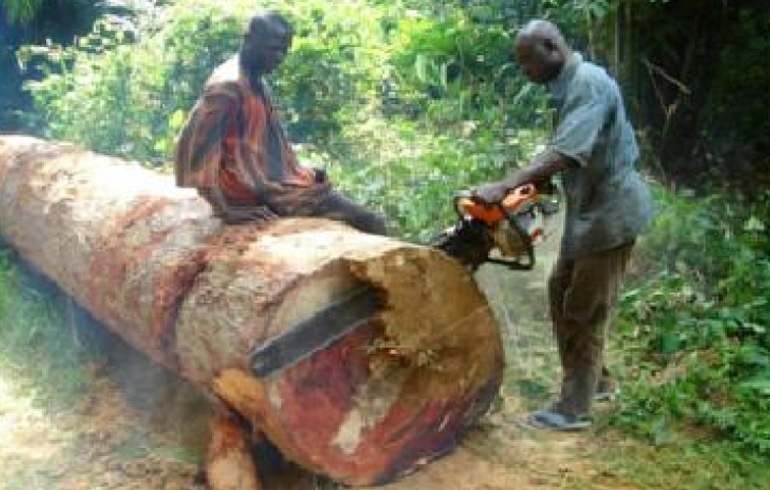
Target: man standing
pixel 607 206
pixel 234 150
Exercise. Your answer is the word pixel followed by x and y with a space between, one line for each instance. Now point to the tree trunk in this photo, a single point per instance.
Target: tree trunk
pixel 367 405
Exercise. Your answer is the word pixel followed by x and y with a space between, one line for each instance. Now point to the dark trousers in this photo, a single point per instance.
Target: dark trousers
pixel 338 207
pixel 582 294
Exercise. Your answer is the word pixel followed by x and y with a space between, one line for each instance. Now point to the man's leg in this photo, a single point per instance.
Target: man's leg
pixel 336 206
pixel 583 292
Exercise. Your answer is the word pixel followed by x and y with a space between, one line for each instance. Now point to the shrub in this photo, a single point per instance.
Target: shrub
pixel 126 92
pixel 695 336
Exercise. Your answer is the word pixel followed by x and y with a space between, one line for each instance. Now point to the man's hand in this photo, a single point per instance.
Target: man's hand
pixel 491 192
pixel 320 175
pixel 235 215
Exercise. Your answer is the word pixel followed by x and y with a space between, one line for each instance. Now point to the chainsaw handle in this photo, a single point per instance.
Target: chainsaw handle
pixel 468 204
pixel 515 197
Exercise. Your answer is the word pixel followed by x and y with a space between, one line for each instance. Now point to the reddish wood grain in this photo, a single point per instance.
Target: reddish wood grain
pixel 151 264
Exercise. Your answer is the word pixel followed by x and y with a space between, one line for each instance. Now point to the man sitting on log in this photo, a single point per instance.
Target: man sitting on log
pixel 234 150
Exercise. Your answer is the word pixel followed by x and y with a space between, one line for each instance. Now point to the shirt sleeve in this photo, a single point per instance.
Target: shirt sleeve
pixel 581 120
pixel 199 148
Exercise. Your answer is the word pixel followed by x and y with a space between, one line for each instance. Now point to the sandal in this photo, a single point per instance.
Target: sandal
pixel 552 420
pixel 609 395
pixel 606 390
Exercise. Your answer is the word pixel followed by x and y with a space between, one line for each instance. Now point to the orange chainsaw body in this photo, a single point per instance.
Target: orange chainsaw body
pixel 499 232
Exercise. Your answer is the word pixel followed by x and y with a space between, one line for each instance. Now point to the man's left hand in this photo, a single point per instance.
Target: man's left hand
pixel 320 175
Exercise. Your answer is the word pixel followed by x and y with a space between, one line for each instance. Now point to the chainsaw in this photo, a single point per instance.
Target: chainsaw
pixel 503 233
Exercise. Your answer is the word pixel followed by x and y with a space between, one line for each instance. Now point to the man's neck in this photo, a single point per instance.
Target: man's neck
pixel 253 75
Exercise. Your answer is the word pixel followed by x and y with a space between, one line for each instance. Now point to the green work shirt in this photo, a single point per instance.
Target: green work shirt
pixel 607 201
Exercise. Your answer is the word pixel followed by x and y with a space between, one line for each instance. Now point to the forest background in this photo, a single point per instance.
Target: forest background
pixel 407 101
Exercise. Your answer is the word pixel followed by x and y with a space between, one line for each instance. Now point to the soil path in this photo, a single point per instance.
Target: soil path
pixel 107 442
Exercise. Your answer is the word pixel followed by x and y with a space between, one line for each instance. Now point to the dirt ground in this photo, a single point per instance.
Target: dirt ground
pixel 139 427
pixel 109 442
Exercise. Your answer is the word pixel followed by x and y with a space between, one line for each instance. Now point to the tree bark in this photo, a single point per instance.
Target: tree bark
pixel 396 390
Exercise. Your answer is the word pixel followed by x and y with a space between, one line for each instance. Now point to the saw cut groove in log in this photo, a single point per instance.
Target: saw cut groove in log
pixel 363 394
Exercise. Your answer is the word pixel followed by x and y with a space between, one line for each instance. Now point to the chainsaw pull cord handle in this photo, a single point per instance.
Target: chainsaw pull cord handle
pixel 459 197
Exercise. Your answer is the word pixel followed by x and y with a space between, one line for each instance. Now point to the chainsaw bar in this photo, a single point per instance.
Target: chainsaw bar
pixel 316 333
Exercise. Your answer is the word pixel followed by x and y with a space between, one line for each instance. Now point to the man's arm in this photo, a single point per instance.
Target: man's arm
pixel 233 214
pixel 543 166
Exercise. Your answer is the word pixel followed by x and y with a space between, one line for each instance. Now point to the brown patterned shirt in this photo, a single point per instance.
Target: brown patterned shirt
pixel 233 141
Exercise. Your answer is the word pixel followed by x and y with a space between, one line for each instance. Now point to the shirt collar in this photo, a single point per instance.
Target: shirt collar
pixel 558 86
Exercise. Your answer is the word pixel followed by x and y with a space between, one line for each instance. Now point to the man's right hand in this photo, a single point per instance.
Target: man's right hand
pixel 235 215
pixel 491 192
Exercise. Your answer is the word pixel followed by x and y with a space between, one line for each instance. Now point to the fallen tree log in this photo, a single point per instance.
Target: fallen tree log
pixel 221 305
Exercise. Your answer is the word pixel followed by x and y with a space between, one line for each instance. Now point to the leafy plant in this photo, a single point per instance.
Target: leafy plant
pixel 695 337
pixel 118 94
pixel 39 346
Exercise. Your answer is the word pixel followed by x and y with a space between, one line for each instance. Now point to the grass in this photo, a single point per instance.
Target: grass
pixel 685 465
pixel 41 349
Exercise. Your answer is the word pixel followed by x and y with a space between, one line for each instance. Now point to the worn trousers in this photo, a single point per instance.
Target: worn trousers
pixel 582 293
pixel 336 206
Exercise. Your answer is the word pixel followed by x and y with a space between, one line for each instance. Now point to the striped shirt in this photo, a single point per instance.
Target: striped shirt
pixel 233 141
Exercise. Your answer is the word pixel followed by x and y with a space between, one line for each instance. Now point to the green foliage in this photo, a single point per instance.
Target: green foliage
pixel 452 68
pixel 444 58
pixel 39 347
pixel 329 79
pixel 22 10
pixel 128 97
pixel 695 336
pixel 411 176
pixel 686 466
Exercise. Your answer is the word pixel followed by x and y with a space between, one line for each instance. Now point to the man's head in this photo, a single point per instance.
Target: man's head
pixel 265 43
pixel 541 50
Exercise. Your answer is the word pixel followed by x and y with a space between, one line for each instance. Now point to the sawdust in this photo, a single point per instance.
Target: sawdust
pixel 121 439
pixel 97 444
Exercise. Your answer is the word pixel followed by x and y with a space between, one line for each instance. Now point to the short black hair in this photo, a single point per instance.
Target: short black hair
pixel 269 22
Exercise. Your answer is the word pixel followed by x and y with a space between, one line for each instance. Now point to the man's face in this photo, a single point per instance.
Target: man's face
pixel 540 62
pixel 263 52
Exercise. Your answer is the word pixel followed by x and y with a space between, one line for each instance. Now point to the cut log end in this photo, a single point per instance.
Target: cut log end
pixel 395 391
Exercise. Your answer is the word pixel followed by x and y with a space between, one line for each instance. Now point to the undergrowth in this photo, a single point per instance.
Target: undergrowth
pixel 694 333
pixel 40 348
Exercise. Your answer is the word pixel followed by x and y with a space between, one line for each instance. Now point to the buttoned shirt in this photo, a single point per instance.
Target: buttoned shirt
pixel 608 203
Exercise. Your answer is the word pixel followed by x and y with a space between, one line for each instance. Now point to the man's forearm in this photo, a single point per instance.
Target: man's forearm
pixel 232 214
pixel 543 166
